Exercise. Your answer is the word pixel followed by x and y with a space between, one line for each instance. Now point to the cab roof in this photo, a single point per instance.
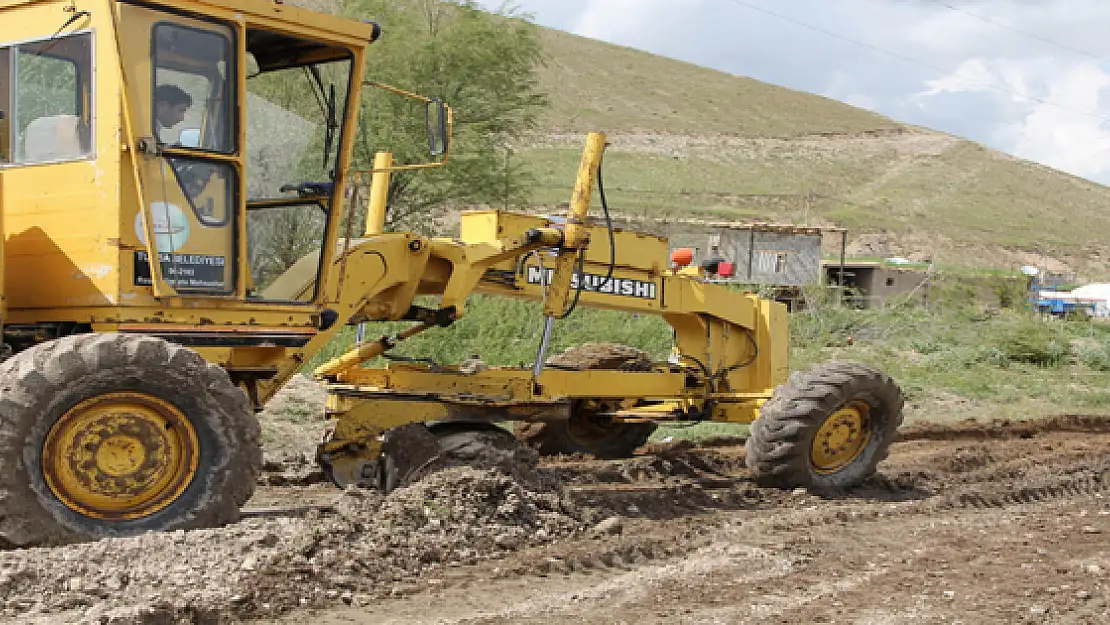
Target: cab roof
pixel 273 12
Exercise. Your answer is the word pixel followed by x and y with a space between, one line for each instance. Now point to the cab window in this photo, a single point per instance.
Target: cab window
pixel 191 95
pixel 191 106
pixel 46 101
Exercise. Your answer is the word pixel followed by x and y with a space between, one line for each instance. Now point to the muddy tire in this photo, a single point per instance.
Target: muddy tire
pixel 105 435
pixel 826 429
pixel 581 433
pixel 481 445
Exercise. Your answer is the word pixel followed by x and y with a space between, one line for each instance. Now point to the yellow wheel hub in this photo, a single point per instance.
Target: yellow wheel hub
pixel 120 456
pixel 841 438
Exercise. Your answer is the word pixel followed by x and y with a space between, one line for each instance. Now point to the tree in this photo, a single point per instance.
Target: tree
pixel 484 65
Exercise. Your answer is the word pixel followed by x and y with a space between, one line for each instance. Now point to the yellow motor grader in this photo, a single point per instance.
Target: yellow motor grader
pixel 165 273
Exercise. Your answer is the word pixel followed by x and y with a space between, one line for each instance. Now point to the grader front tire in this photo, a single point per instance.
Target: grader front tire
pixel 114 435
pixel 826 429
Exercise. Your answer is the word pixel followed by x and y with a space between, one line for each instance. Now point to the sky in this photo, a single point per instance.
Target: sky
pixel 1027 77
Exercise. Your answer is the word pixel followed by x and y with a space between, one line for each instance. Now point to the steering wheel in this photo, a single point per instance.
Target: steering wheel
pixel 309 189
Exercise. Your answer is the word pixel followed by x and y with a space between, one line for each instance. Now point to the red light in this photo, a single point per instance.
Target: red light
pixel 682 256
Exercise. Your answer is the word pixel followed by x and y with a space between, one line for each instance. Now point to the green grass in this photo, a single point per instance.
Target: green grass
pixel 660 185
pixel 965 363
pixel 506 332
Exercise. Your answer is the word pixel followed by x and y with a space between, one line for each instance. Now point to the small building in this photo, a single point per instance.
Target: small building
pixel 759 254
pixel 774 255
pixel 874 284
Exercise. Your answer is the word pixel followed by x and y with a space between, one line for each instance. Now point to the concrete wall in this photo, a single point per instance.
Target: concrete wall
pixel 892 284
pixel 876 286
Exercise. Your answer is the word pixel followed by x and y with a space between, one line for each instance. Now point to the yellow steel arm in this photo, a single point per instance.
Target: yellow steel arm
pixel 575 232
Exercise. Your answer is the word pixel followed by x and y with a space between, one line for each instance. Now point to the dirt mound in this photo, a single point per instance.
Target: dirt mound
pixel 602 356
pixel 966 459
pixel 372 547
pixel 661 466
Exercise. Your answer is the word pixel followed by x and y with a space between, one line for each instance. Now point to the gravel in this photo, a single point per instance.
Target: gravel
pixel 371 547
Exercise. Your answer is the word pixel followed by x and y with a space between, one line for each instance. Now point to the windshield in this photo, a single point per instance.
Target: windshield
pixel 46 100
pixel 293 118
pixel 180 76
pixel 293 135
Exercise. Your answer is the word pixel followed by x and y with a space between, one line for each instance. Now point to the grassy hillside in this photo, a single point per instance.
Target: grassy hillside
pixel 595 84
pixel 692 141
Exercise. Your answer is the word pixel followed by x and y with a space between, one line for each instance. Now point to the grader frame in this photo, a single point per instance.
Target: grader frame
pixel 128 395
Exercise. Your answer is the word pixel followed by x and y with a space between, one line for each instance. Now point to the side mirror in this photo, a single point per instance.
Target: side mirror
pixel 439 122
pixel 189 138
pixel 436 120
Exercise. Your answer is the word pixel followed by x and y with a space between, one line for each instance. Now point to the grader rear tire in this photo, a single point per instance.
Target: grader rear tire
pixel 578 435
pixel 582 433
pixel 826 429
pixel 107 435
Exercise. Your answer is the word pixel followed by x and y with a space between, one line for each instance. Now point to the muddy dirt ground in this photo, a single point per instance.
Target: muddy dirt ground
pixel 972 523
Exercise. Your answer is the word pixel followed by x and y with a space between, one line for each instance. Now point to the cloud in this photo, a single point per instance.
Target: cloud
pixel 1043 109
pixel 843 89
pixel 640 21
pixel 1064 138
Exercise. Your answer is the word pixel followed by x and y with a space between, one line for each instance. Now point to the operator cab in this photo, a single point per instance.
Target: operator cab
pixel 212 139
pixel 233 149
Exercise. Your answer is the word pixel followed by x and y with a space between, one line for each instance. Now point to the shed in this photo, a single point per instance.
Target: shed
pixel 872 284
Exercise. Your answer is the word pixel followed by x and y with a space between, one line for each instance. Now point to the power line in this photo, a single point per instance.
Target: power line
pixel 1019 31
pixel 910 59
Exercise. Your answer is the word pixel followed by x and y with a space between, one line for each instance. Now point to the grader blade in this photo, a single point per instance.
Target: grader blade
pixel 410 452
pixel 406 452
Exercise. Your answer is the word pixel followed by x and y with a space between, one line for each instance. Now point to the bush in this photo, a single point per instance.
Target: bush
pixel 1032 342
pixel 1094 357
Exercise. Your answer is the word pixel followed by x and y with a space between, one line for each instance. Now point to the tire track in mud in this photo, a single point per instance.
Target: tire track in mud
pixel 708 479
pixel 1029 466
pixel 969 429
pixel 880 500
pixel 1002 429
pixel 697 485
pixel 927 477
pixel 1095 481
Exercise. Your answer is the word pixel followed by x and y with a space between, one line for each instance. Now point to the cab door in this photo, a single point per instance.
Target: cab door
pixel 182 96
